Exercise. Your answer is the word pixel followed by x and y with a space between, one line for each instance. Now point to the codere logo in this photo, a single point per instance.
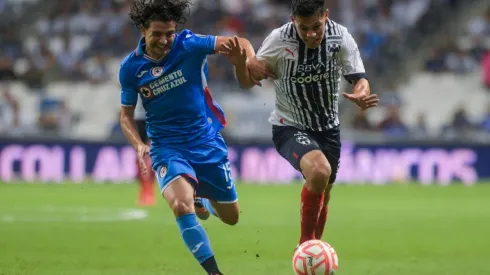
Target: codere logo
pixel 310 68
pixel 310 78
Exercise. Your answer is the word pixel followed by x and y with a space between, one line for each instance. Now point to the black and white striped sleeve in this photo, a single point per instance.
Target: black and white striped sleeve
pixel 271 49
pixel 352 65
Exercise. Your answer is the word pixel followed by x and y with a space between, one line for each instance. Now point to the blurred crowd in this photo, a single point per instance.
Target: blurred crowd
pixel 469 52
pixel 74 40
pixel 393 125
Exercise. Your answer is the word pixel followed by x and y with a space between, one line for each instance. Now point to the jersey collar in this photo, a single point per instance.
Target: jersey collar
pixel 140 51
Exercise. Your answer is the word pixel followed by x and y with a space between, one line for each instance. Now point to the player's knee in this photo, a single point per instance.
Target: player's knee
pixel 319 175
pixel 182 207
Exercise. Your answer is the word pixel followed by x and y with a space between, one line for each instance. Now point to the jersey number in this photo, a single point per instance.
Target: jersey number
pixel 227 171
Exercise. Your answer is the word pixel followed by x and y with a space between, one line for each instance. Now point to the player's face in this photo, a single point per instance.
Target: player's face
pixel 159 37
pixel 311 29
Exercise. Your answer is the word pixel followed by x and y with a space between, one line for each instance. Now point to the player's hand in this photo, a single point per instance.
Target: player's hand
pixel 143 150
pixel 234 52
pixel 259 70
pixel 363 100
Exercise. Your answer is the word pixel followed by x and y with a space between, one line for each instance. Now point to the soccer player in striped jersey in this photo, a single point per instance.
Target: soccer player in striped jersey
pixel 308 57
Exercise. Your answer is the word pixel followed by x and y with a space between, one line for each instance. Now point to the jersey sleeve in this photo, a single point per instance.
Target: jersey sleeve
pixel 198 43
pixel 352 65
pixel 129 95
pixel 270 50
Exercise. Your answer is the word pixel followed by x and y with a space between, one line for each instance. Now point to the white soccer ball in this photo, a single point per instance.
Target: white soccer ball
pixel 315 257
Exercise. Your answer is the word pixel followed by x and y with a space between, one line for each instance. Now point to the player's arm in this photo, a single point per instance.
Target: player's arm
pixel 129 99
pixel 261 66
pixel 238 55
pixel 354 73
pixel 128 125
pixel 237 50
pixel 225 43
pixel 258 70
pixel 209 44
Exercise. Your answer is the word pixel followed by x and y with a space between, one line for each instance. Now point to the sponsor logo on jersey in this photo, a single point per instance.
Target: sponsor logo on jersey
pixel 308 73
pixel 308 68
pixel 163 84
pixel 146 92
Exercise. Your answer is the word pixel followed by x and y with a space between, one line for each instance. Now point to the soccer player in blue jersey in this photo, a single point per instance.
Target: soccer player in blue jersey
pixel 189 156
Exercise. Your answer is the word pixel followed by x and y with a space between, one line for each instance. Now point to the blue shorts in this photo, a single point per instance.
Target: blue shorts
pixel 205 165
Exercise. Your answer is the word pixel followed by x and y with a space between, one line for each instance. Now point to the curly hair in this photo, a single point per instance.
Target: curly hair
pixel 144 11
pixel 307 8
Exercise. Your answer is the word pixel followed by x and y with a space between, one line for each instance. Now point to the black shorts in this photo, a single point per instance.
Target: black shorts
pixel 293 144
pixel 141 125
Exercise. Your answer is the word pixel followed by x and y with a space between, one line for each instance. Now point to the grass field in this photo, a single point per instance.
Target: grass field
pixel 94 229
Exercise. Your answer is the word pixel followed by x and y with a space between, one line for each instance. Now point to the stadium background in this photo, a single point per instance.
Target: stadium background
pixel 428 60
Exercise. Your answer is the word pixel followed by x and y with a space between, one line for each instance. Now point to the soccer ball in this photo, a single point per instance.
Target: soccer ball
pixel 315 257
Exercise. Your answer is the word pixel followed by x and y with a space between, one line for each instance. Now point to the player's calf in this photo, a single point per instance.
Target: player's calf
pixel 316 170
pixel 180 197
pixel 228 213
pixel 322 218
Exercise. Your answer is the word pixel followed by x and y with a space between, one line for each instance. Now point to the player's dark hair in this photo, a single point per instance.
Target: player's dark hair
pixel 307 8
pixel 143 12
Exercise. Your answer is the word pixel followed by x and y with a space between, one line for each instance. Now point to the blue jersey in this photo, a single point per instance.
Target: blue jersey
pixel 179 108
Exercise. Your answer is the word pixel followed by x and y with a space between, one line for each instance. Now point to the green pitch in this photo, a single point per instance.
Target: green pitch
pixel 94 229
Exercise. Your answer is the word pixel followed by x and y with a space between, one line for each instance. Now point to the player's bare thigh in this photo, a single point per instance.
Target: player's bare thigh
pixel 317 170
pixel 229 213
pixel 180 196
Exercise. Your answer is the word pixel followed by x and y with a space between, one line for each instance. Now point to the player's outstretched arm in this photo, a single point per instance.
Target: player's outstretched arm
pixel 240 53
pixel 259 69
pixel 128 125
pixel 354 72
pixel 237 54
pixel 361 94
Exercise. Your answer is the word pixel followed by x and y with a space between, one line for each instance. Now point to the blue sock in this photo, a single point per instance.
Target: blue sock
pixel 195 237
pixel 207 204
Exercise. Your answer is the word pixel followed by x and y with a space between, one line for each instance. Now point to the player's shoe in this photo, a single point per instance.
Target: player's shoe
pixel 201 211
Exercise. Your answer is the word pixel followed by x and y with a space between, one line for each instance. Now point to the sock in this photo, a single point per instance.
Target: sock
pixel 207 204
pixel 311 204
pixel 196 239
pixel 322 220
pixel 210 264
pixel 149 178
pixel 140 176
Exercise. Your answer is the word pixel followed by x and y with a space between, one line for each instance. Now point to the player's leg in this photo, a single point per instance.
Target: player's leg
pixel 330 145
pixel 316 170
pixel 304 154
pixel 227 212
pixel 322 218
pixel 177 179
pixel 216 185
pixel 146 192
